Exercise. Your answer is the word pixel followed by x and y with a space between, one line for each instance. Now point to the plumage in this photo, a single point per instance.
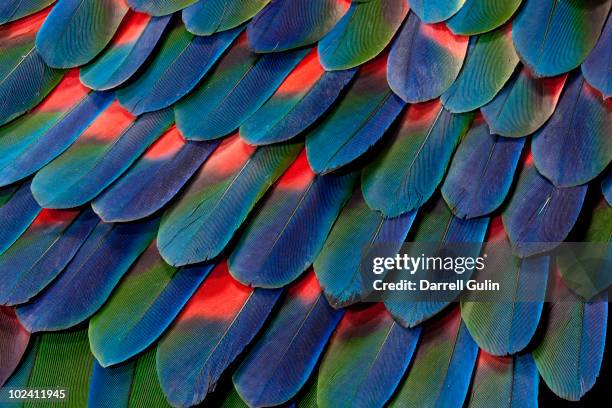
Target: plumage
pixel 506 322
pixel 130 48
pixel 143 305
pixel 33 140
pixel 42 252
pixel 303 97
pixel 14 339
pixel 89 278
pixel 539 215
pixel 542 28
pixel 424 60
pixel 25 79
pixel 365 360
pixel 490 162
pixel 490 61
pixel 362 33
pixel 405 169
pixel 12 10
pixel 98 157
pixel 579 129
pixel 434 11
pixel 357 122
pixel 281 361
pixel 504 382
pixel 337 267
pixel 16 214
pixel 171 74
pixel 155 178
pixel 596 68
pixel 606 187
pixel 524 104
pixel 240 83
pixel 217 201
pixel 288 24
pixel 222 317
pixel 212 16
pixel 159 7
pixel 295 217
pixel 442 367
pixel 435 228
pixel 480 16
pixel 77 30
pixel 571 351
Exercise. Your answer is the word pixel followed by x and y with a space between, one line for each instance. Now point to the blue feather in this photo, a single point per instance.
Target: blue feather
pixel 182 61
pixel 121 61
pixel 291 220
pixel 596 68
pixel 76 31
pixel 16 215
pixel 489 162
pixel 212 16
pixel 153 180
pixel 539 215
pixel 110 386
pixel 239 85
pixel 279 364
pixel 606 187
pixel 358 230
pixel 434 11
pixel 90 277
pixel 11 10
pixel 159 7
pixel 40 255
pixel 34 144
pixel 89 165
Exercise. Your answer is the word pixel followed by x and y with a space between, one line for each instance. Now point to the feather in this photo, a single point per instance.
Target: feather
pixel 160 7
pixel 11 10
pixel 404 169
pixel 212 16
pixel 145 303
pixel 434 11
pixel 42 252
pixel 504 323
pixel 89 278
pixel 596 68
pixel 133 384
pixel 571 352
pixel 181 62
pixel 436 228
pixel 227 187
pixel 539 215
pixel 606 187
pixel 288 24
pixel 490 62
pixel 504 382
pixel 33 140
pixel 14 340
pixel 574 146
pixel 362 33
pixel 488 161
pixel 222 317
pixel 294 218
pixel 442 367
pixel 362 230
pixel 56 361
pixel 481 16
pixel 279 364
pixel 127 52
pixel 357 122
pixel 524 104
pixel 542 28
pixel 154 179
pixel 77 30
pixel 237 87
pixel 304 96
pixel 424 60
pixel 16 215
pixel 366 359
pixel 101 154
pixel 25 79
